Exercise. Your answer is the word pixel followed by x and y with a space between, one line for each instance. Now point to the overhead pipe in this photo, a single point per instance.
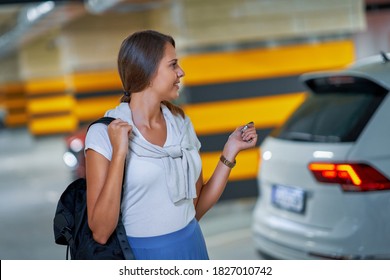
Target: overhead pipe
pixel 29 17
pixel 100 6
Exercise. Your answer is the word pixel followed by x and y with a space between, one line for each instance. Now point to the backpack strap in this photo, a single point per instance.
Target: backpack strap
pixel 105 120
pixel 123 241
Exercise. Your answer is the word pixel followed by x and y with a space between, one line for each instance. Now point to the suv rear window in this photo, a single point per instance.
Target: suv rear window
pixel 336 110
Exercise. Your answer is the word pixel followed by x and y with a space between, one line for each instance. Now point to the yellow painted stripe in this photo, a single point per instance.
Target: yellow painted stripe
pixel 225 116
pixel 45 86
pixel 49 105
pixel 96 81
pixel 246 167
pixel 53 125
pixel 93 108
pixel 251 64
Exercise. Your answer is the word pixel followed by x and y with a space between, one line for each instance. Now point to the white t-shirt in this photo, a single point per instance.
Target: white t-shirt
pixel 147 208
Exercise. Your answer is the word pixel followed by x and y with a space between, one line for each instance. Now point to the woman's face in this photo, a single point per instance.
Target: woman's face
pixel 167 80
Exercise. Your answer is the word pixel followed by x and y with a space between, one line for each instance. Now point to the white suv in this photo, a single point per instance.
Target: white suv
pixel 324 188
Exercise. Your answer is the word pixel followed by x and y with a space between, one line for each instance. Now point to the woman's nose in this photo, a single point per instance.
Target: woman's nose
pixel 180 73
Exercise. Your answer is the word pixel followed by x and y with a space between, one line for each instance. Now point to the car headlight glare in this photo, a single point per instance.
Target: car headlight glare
pixel 76 145
pixel 70 159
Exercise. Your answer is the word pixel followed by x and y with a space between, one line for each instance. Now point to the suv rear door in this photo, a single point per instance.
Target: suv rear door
pixel 324 128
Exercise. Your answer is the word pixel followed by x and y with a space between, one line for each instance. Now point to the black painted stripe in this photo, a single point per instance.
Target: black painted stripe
pixel 242 89
pixel 14 95
pixel 240 189
pixel 375 7
pixel 46 95
pixel 215 142
pixel 50 115
pixel 95 94
pixel 16 110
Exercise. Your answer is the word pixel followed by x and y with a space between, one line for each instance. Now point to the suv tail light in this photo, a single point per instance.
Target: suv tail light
pixel 351 177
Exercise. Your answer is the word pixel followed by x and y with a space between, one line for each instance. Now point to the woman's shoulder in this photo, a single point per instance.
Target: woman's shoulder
pixel 97 131
pixel 97 128
pixel 98 140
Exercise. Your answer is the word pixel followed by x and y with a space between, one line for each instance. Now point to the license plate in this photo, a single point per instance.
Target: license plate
pixel 288 198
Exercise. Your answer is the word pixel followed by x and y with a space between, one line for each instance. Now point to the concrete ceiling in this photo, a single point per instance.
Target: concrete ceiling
pixel 22 21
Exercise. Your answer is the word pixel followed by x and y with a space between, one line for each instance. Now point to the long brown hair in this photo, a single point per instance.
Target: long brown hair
pixel 138 60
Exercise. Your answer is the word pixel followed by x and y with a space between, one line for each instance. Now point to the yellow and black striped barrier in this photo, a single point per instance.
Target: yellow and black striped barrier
pixel 50 106
pixel 224 90
pixel 13 101
pixel 59 105
pixel 95 93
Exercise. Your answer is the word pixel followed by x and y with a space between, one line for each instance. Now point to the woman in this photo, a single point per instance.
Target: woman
pixel 154 144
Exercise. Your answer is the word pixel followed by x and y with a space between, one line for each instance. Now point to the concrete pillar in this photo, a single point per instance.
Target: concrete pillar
pixel 89 47
pixel 49 99
pixel 12 93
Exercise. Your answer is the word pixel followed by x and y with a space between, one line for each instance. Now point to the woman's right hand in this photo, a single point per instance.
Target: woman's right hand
pixel 119 132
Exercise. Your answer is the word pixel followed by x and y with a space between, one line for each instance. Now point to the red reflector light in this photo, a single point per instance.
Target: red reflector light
pixel 352 177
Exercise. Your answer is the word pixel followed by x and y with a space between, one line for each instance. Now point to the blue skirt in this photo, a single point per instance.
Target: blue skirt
pixel 185 244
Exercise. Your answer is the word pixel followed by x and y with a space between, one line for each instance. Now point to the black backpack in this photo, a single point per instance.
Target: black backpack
pixel 71 228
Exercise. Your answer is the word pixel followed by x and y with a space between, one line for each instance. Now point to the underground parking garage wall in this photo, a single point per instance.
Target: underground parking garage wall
pixel 226 84
pixel 12 93
pixel 224 90
pixel 48 89
pixel 53 68
pixel 13 102
pixel 89 47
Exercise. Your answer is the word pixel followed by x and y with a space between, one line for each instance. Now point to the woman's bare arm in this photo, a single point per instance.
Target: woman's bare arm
pixel 104 183
pixel 211 191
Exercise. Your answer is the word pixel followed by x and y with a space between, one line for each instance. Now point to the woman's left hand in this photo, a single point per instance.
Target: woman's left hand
pixel 243 137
